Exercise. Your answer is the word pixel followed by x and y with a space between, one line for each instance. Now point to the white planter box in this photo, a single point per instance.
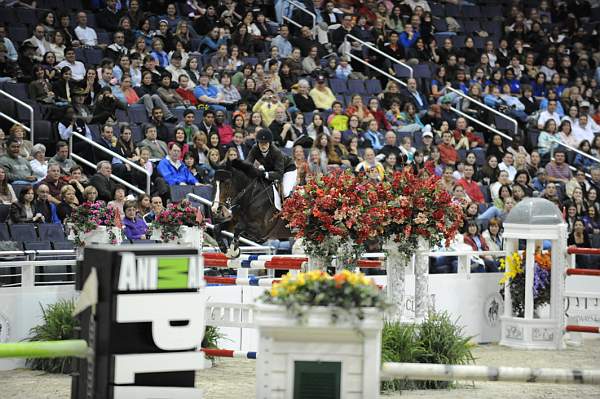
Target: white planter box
pixel 192 236
pixel 97 236
pixel 283 341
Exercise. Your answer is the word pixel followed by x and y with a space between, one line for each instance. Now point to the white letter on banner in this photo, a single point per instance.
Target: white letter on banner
pixel 127 274
pixel 147 269
pixel 161 309
pixel 127 366
pixel 139 392
pixel 195 273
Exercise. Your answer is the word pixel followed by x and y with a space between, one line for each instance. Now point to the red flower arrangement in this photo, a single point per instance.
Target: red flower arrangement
pixel 89 215
pixel 419 207
pixel 174 217
pixel 337 210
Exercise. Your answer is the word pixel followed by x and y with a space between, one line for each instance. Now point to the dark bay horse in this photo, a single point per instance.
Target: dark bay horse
pixel 244 204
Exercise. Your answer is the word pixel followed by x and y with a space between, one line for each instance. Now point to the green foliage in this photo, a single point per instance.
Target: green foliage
pixel 59 324
pixel 211 336
pixel 436 340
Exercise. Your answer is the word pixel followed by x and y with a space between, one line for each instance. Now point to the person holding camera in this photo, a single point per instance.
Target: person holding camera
pixel 267 106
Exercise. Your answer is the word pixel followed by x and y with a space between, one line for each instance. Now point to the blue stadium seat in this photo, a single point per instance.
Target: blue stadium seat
pixel 122 115
pixel 356 86
pixel 205 191
pixel 18 90
pixel 23 232
pixel 422 71
pixel 373 86
pixel 4 234
pixel 51 232
pixel 19 187
pixel 136 132
pixel 178 193
pixel 473 12
pixel 26 16
pixel 338 86
pixel 94 56
pixel 137 114
pixel 44 133
pixel 63 245
pixel 4 213
pixel 401 71
pixel 18 33
pixel 37 246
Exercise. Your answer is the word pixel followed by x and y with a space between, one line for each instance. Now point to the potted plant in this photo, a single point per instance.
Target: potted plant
pixel 335 215
pixel 95 222
pixel 180 223
pixel 514 274
pixel 329 320
pixel 422 215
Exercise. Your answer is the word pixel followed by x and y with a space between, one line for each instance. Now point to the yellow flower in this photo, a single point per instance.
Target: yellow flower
pixel 353 279
pixel 274 292
pixel 300 280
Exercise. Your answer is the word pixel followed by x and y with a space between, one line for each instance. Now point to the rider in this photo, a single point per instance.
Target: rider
pixel 266 157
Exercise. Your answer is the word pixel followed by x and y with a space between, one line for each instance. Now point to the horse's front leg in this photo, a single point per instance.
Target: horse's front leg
pixel 220 237
pixel 234 250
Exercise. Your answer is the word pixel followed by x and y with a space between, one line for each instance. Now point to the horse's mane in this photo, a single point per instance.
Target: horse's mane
pixel 242 174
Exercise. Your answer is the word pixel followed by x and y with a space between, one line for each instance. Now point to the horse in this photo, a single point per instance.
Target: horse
pixel 244 202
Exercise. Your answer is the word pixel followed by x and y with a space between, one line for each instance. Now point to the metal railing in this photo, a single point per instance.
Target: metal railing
pixel 389 76
pixel 577 150
pixel 212 226
pixel 28 272
pixel 492 110
pixel 485 125
pixel 114 155
pixel 11 119
pixel 302 8
pixel 375 49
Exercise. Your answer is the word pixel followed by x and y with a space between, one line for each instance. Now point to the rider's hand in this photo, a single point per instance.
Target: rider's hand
pixel 261 168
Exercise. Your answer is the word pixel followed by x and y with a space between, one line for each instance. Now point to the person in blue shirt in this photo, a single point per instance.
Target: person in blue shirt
pixel 173 170
pixel 373 136
pixel 212 41
pixel 409 37
pixel 208 94
pixel 159 54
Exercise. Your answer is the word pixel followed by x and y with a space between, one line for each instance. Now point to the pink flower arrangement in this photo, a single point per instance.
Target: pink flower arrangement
pixel 175 216
pixel 88 216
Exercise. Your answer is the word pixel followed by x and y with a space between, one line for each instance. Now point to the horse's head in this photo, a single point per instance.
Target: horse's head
pixel 228 184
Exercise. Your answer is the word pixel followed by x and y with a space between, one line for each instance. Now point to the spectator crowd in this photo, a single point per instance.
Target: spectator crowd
pixel 499 99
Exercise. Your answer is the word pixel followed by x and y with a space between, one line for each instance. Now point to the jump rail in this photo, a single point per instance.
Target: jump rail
pixel 412 371
pixel 442 372
pixel 229 353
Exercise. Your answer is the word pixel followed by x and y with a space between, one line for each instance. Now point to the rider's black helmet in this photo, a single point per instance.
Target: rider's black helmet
pixel 264 136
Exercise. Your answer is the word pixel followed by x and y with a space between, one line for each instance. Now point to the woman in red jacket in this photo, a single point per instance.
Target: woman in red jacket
pixel 475 240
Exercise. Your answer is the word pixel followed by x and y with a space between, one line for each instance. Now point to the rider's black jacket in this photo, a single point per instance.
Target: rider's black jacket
pixel 273 161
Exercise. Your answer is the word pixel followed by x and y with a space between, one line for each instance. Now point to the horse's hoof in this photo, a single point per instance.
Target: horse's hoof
pixel 233 252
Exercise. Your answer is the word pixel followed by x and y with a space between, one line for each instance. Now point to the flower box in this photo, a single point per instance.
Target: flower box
pixel 97 236
pixel 190 236
pixel 286 344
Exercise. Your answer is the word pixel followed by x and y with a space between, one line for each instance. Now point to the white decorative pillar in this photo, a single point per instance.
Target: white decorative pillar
pixel 421 281
pixel 396 265
pixel 535 220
